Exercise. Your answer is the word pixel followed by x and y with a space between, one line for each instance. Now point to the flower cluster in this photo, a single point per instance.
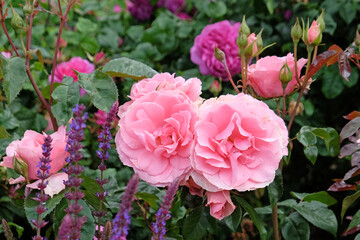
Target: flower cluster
pixel 231 142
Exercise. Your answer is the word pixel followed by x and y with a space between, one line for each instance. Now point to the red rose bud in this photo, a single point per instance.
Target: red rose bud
pixel 296 31
pixel 285 75
pixel 314 34
pixel 219 55
pixel 244 28
pixel 215 88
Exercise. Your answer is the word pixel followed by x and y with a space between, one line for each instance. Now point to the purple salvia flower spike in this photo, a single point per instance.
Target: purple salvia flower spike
pixel 122 219
pixel 163 213
pixel 42 197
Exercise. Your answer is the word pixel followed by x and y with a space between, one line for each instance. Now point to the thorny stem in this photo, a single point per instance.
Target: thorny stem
pixel 303 86
pixel 28 71
pixel 229 76
pixel 62 22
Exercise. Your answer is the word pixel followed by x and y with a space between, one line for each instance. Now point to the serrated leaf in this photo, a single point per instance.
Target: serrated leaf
pixel 30 204
pixel 347 202
pixel 125 67
pixel 254 216
pixel 316 213
pixel 295 227
pixel 46 91
pixel 66 97
pixel 101 88
pixel 195 225
pixel 276 189
pixel 355 221
pixel 8 120
pixel 14 76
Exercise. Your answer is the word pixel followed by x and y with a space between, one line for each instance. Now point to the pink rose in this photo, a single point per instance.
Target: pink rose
pixel 6 54
pixel 263 76
pixel 66 69
pixel 156 136
pixel 55 183
pixel 223 35
pixel 163 81
pixel 239 142
pixel 252 38
pixel 314 31
pixel 220 204
pixel 29 150
pixel 117 8
pixel 194 189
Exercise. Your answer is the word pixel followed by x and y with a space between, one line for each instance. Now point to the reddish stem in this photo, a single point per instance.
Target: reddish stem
pixel 229 76
pixel 2 17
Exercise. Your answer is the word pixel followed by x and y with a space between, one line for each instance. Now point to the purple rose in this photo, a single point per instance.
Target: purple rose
pixel 174 5
pixel 222 34
pixel 140 9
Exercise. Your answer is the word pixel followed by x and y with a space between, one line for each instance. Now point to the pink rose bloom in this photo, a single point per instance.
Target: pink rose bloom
pixel 163 81
pixel 314 31
pixel 55 183
pixel 6 54
pixel 29 150
pixel 239 142
pixel 223 35
pixel 66 69
pixel 220 204
pixel 263 76
pixel 156 136
pixel 194 189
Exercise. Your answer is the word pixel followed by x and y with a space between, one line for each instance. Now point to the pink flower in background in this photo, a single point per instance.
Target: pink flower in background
pixel 163 81
pixel 183 16
pixel 100 117
pixel 314 31
pixel 140 9
pixel 156 136
pixel 66 69
pixel 263 76
pixel 117 8
pixel 220 204
pixel 239 143
pixel 6 54
pixel 222 34
pixel 288 14
pixel 28 150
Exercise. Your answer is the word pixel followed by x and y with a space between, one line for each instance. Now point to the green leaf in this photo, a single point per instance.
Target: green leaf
pixel 46 91
pixel 311 153
pixel 348 11
pixel 151 199
pixel 295 227
pixel 316 213
pixel 331 85
pixel 195 225
pixel 355 221
pixel 8 120
pixel 254 216
pixel 14 76
pixel 322 197
pixel 276 189
pixel 348 201
pixel 270 6
pixel 19 229
pixel 85 25
pixel 89 44
pixel 101 88
pixel 92 187
pixel 4 143
pixel 125 67
pixel 357 237
pixel 215 9
pixel 30 204
pixel 233 221
pixel 66 97
pixel 88 230
pixel 3 133
pixel 136 33
pixel 306 137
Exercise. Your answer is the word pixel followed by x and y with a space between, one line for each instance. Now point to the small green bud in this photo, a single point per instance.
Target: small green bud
pixel 285 75
pixel 28 8
pixel 219 54
pixel 17 23
pixel 357 38
pixel 244 28
pixel 242 41
pixel 259 41
pixel 296 31
pixel 20 167
pixel 320 21
pixel 215 88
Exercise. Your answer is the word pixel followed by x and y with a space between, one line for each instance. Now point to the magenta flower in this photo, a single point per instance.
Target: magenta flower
pixel 67 69
pixel 222 34
pixel 140 9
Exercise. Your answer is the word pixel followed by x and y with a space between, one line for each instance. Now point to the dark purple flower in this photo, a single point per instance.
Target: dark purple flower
pixel 122 218
pixel 140 9
pixel 288 14
pixel 163 213
pixel 174 5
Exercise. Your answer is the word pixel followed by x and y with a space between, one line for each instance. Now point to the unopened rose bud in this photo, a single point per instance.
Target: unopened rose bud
pixel 219 54
pixel 20 167
pixel 320 21
pixel 244 28
pixel 357 38
pixel 16 22
pixel 215 88
pixel 28 8
pixel 314 34
pixel 296 31
pixel 242 41
pixel 285 75
pixel 259 41
pixel 299 110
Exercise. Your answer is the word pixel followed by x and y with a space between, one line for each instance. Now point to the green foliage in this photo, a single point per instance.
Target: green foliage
pixel 195 224
pixel 348 201
pixel 295 227
pixel 321 196
pixel 276 189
